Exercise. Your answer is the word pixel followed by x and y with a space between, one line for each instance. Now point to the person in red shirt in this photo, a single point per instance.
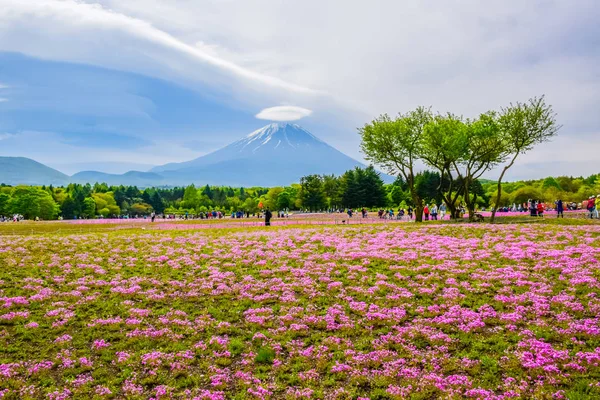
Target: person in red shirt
pixel 540 209
pixel 426 212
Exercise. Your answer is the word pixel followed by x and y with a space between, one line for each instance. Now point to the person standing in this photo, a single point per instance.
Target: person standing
pixel 426 212
pixel 410 212
pixel 540 209
pixel 591 206
pixel 268 217
pixel 533 208
pixel 559 209
pixel 434 212
pixel 442 211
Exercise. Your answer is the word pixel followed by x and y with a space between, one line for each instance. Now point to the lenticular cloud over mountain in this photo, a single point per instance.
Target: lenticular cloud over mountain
pixel 284 113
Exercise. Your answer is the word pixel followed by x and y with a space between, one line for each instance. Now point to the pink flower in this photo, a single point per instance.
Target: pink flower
pixel 100 344
pixel 63 339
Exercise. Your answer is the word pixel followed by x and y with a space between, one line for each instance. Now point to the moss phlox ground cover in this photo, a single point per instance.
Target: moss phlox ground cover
pixel 368 312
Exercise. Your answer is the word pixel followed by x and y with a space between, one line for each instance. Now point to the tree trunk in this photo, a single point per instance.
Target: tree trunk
pixel 453 210
pixel 470 203
pixel 496 203
pixel 418 208
pixel 471 211
pixel 419 214
pixel 500 187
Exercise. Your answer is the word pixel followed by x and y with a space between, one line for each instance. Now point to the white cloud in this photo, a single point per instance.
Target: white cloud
pixel 283 113
pixel 5 136
pixel 64 17
pixel 2 99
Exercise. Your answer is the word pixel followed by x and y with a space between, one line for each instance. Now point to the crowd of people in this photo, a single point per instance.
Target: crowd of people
pixel 536 208
pixel 14 218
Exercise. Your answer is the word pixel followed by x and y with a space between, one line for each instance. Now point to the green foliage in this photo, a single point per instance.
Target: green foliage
pixel 140 209
pixel 428 185
pixel 284 201
pixel 236 346
pixel 4 204
pixel 460 150
pixel 265 355
pixel 68 208
pixel 550 182
pixel 311 192
pixel 32 202
pixel 106 204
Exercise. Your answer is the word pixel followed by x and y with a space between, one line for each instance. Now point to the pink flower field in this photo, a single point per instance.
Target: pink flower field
pixel 365 311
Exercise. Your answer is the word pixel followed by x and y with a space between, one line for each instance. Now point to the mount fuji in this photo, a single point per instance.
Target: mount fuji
pixel 277 154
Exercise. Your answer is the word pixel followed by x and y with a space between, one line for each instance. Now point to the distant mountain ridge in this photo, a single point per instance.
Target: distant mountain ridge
pixel 25 171
pixel 131 178
pixel 275 155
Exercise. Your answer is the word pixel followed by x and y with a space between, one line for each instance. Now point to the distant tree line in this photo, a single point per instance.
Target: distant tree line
pixel 101 200
pixel 357 188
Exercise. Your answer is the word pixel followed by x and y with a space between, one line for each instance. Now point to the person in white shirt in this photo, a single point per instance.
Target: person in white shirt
pixel 434 212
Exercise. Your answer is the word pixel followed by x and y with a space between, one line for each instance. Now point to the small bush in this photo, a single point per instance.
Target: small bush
pixel 265 355
pixel 236 346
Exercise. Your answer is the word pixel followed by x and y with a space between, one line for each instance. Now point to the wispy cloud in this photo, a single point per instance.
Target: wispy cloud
pixel 76 15
pixel 2 99
pixel 4 136
pixel 283 113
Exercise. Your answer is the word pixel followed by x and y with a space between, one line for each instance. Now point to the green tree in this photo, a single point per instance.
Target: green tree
pixel 526 193
pixel 4 204
pixel 352 192
pixel 332 189
pixel 106 204
pixel 190 197
pixel 141 208
pixel 374 190
pixel 284 201
pixel 311 192
pixel 523 126
pixel 270 200
pixel 428 186
pixel 550 182
pixel 68 208
pixel 207 192
pixel 32 202
pixel 395 145
pixel 396 195
pixel 89 208
pixel 157 202
pixel 250 205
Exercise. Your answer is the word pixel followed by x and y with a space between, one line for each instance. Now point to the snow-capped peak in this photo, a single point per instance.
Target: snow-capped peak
pixel 280 135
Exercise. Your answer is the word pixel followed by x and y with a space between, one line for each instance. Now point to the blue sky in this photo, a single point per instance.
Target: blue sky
pixel 118 85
